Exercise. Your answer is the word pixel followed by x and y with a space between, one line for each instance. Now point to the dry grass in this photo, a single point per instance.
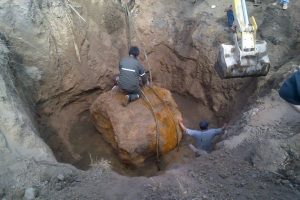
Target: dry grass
pixel 99 164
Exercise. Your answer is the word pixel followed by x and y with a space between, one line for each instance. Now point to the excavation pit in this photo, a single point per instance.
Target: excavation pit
pixel 181 60
pixel 75 140
pixel 65 60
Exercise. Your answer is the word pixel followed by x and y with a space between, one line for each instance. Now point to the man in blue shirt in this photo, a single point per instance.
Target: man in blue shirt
pixel 204 137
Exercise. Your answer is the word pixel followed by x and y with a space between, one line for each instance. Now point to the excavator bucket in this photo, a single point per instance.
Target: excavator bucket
pixel 232 64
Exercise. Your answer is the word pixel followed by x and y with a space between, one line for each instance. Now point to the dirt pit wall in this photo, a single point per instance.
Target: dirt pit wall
pixel 64 59
pixel 220 175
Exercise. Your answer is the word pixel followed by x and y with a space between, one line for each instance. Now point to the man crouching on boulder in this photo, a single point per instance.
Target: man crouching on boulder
pixel 131 71
pixel 204 137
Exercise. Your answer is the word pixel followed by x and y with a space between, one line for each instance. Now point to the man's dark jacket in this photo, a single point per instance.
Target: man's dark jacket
pixel 130 72
pixel 290 90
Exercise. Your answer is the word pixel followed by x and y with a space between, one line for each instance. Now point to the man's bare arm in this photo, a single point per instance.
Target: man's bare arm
pixel 180 121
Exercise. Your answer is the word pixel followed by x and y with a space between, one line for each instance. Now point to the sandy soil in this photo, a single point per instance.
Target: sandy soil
pixel 259 155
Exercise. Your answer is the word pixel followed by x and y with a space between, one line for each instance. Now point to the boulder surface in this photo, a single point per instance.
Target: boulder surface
pixel 132 130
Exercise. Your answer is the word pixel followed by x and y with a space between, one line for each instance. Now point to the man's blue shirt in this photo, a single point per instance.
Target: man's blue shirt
pixel 204 138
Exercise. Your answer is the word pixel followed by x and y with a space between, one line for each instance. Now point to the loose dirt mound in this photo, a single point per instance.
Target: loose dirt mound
pixel 132 130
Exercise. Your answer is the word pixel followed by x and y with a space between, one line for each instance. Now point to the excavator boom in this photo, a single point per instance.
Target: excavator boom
pixel 248 56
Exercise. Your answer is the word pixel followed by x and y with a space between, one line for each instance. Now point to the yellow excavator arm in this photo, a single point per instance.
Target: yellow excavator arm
pixel 247 57
pixel 246 29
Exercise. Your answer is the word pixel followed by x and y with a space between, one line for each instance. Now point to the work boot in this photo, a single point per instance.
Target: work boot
pixel 285 6
pixel 134 97
pixel 125 101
